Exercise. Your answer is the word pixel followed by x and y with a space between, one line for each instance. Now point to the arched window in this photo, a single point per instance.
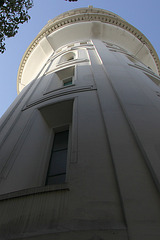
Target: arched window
pixel 67 57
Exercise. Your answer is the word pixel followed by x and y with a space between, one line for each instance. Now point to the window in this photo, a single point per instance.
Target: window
pixel 66 75
pixel 58 117
pixel 83 43
pixel 67 57
pixel 58 161
pixel 67 81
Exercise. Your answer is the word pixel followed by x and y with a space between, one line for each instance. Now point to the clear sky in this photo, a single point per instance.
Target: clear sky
pixel 142 14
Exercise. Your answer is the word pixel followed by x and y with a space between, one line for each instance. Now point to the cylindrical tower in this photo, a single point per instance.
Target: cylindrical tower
pixel 80 145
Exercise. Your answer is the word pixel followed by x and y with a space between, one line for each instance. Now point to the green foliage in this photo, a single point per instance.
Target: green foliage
pixel 12 13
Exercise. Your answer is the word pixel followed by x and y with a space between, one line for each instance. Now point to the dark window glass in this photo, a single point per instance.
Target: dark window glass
pixel 58 162
pixel 56 179
pixel 57 167
pixel 67 81
pixel 60 141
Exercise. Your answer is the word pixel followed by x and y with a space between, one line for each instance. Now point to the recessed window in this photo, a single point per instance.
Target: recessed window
pixel 58 118
pixel 66 75
pixel 67 57
pixel 67 81
pixel 83 43
pixel 58 161
pixel 70 58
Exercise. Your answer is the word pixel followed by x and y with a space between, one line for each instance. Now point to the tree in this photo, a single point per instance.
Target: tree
pixel 12 13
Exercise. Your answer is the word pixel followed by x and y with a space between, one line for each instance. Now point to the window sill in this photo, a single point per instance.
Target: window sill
pixel 35 190
pixel 62 65
pixel 59 89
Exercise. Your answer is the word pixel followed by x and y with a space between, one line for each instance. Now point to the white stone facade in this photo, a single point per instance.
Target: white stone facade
pixel 92 74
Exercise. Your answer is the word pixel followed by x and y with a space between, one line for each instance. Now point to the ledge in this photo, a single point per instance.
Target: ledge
pixel 35 190
pixel 60 92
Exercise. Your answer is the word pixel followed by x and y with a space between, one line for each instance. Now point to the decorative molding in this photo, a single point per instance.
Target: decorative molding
pixel 66 64
pixel 74 132
pixel 85 15
pixel 144 69
pixel 59 93
pixel 34 190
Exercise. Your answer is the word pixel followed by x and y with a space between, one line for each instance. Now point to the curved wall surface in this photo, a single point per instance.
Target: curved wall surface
pixel 79 147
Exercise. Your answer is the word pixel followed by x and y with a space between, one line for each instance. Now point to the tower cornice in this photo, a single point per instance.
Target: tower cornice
pixel 86 15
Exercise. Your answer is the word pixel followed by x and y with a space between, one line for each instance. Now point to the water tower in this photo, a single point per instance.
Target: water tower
pixel 80 145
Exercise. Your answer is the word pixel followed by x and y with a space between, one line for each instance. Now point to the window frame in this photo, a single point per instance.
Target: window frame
pixel 69 78
pixel 54 131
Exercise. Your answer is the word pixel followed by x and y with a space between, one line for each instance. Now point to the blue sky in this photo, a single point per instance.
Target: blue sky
pixel 144 15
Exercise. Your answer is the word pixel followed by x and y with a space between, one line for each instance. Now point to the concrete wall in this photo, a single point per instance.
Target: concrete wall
pixel 112 185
